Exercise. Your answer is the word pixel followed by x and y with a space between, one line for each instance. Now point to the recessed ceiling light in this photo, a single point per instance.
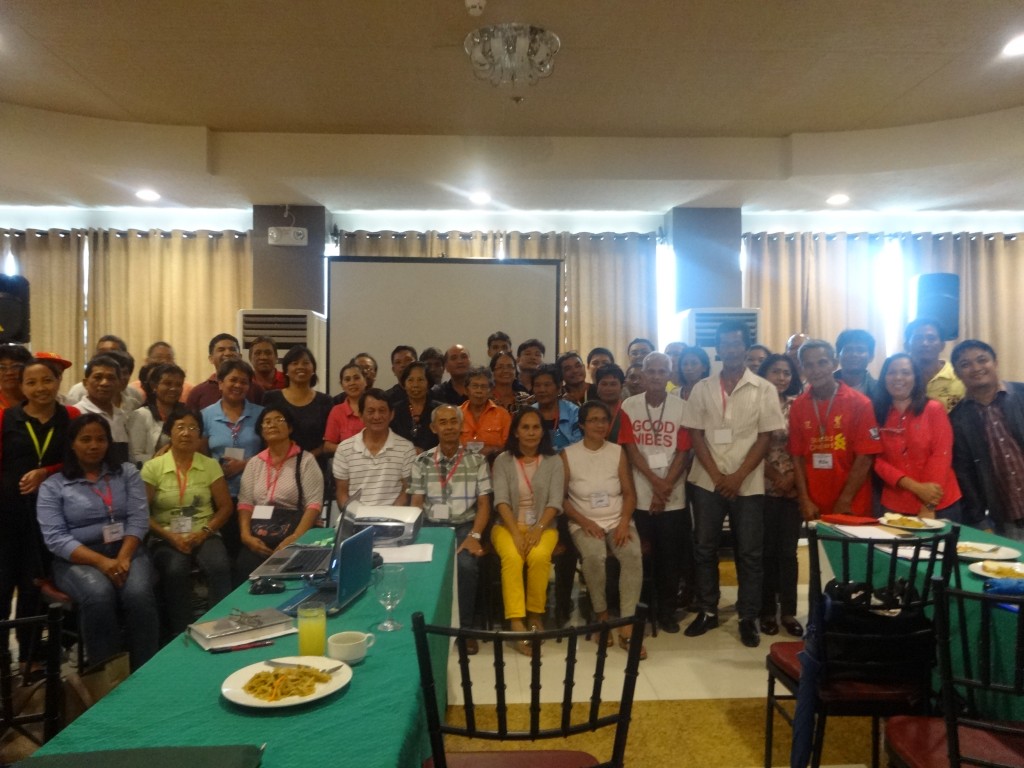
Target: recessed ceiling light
pixel 480 197
pixel 838 199
pixel 149 195
pixel 1015 47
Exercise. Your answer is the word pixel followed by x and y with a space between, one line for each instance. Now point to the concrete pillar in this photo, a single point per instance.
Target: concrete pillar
pixel 288 277
pixel 706 242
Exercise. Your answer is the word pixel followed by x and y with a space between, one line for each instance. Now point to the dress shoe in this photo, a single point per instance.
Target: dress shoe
pixel 472 646
pixel 668 624
pixel 701 624
pixel 749 635
pixel 794 627
pixel 769 625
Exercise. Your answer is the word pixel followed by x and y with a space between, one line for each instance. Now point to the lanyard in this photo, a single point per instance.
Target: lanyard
pixel 660 422
pixel 107 498
pixel 276 471
pixel 721 385
pixel 445 479
pixel 40 452
pixel 831 400
pixel 182 482
pixel 522 468
pixel 235 429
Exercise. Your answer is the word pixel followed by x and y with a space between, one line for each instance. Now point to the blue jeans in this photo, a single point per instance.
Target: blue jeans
pixel 175 569
pixel 99 602
pixel 746 519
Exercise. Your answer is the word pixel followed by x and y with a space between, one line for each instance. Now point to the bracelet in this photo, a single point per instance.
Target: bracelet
pixel 474 535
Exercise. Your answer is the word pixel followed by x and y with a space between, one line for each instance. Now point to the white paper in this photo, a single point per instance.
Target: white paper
pixel 414 553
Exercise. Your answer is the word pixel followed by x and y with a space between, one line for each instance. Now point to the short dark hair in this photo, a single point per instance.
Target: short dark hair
pixel 531 343
pixel 967 344
pixel 72 469
pixel 920 322
pixel 15 352
pixel 592 405
pixel 416 365
pixel 795 385
pixel 855 336
pixel 567 356
pixel 262 340
pixel 600 351
pixel 549 369
pixel 752 347
pixel 377 394
pixel 357 355
pixel 178 413
pixel 640 340
pixel 235 364
pixel 431 353
pixel 155 344
pixel 285 412
pixel 298 352
pixel 153 374
pixel 222 337
pixel 494 360
pixel 402 348
pixel 733 326
pixel 546 448
pixel 498 336
pixel 611 369
pixel 102 361
pixel 124 361
pixel 350 364
pixel 116 339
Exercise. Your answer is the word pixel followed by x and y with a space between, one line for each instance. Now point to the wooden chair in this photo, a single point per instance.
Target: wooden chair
pixel 874 685
pixel 981 660
pixel 50 716
pixel 574 718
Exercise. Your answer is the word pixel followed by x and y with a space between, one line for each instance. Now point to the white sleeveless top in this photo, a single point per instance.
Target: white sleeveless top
pixel 594 487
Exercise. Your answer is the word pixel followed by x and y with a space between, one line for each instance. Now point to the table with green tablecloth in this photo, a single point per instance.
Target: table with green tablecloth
pixel 377 720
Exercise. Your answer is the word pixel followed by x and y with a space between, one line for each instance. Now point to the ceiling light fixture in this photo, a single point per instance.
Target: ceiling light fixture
pixel 1015 47
pixel 838 199
pixel 509 54
pixel 480 197
pixel 149 195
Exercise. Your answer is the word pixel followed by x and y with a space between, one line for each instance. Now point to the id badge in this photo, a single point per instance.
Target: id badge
pixel 181 524
pixel 262 512
pixel 599 500
pixel 440 512
pixel 657 461
pixel 113 532
pixel 821 460
pixel 238 454
pixel 721 436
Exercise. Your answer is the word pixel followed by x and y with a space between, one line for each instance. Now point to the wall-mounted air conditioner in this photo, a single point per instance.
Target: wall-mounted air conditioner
pixel 288 327
pixel 698 327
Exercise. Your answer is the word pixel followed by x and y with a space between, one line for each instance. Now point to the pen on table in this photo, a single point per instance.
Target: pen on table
pixel 243 646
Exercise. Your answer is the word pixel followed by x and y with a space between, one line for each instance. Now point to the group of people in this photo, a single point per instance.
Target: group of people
pixel 120 489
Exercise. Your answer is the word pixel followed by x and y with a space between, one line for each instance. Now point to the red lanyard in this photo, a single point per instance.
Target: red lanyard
pixel 721 384
pixel 522 468
pixel 451 473
pixel 276 471
pixel 107 498
pixel 182 482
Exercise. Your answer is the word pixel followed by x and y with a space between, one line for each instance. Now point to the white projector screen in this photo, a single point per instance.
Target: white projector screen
pixel 375 304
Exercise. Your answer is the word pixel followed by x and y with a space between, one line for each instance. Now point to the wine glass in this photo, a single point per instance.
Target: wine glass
pixel 389 584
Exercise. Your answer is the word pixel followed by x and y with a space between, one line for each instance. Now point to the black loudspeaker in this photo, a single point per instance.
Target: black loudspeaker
pixel 937 297
pixel 14 310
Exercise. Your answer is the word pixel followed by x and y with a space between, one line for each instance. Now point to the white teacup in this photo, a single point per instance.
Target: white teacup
pixel 350 647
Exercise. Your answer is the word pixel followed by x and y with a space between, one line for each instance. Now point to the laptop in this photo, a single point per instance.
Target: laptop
pixel 299 561
pixel 349 576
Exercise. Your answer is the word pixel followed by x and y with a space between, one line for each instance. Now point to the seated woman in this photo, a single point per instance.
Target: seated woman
pixel 599 505
pixel 528 491
pixel 281 494
pixel 412 412
pixel 93 516
pixel 694 365
pixel 163 386
pixel 917 445
pixel 344 420
pixel 188 505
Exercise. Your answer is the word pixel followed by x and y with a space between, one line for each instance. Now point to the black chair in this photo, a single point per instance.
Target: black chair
pixel 875 682
pixel 50 716
pixel 981 660
pixel 576 718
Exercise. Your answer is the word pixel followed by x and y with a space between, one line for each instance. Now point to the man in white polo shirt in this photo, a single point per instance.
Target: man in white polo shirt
pixel 376 462
pixel 730 418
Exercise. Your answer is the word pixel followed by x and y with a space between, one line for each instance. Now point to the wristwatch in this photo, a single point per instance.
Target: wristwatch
pixel 474 535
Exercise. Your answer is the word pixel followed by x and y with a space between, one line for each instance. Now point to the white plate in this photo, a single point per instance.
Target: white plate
pixel 233 688
pixel 1003 553
pixel 929 523
pixel 976 569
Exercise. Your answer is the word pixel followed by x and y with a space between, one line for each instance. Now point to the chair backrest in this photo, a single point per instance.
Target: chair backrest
pixel 872 620
pixel 981 660
pixel 50 716
pixel 432 647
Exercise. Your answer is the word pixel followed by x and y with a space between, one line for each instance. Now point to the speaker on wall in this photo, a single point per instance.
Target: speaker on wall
pixel 936 295
pixel 14 310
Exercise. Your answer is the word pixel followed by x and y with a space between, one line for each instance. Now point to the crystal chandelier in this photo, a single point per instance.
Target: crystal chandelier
pixel 512 53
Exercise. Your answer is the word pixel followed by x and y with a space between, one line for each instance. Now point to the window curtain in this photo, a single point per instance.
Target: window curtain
pixel 52 262
pixel 180 287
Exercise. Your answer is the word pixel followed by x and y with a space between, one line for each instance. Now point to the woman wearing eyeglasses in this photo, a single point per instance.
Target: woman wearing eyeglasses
pixel 280 498
pixel 188 505
pixel 13 359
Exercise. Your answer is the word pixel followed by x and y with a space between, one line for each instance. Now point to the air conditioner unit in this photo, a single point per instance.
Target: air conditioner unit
pixel 698 327
pixel 288 327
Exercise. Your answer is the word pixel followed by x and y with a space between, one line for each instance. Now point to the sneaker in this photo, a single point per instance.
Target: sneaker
pixel 701 624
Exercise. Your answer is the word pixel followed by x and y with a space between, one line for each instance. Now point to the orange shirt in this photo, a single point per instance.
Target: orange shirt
pixel 491 428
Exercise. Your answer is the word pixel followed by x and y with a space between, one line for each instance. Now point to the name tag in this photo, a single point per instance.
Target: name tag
pixel 262 512
pixel 181 524
pixel 599 500
pixel 440 512
pixel 657 460
pixel 234 453
pixel 113 532
pixel 821 460
pixel 721 436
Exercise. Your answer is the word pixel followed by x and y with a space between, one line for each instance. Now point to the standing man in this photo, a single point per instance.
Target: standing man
pixel 401 357
pixel 223 347
pixel 453 486
pixel 574 378
pixel 482 420
pixel 263 359
pixel 376 462
pixel 988 442
pixel 638 349
pixel 597 358
pixel 730 418
pixel 923 340
pixel 833 438
pixel 102 383
pixel 456 362
pixel 793 345
pixel 856 350
pixel 368 364
pixel 659 451
pixel 499 341
pixel 529 359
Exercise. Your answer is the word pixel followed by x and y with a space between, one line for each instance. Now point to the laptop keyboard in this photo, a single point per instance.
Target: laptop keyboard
pixel 305 560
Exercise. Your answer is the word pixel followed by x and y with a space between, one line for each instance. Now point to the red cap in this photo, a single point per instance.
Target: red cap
pixel 64 364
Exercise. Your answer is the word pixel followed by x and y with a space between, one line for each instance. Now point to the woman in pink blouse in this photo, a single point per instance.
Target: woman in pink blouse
pixel 917 445
pixel 344 420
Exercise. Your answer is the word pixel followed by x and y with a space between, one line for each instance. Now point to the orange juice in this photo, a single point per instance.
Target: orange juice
pixel 312 629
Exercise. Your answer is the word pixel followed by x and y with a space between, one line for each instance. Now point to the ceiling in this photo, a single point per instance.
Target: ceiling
pixel 369 104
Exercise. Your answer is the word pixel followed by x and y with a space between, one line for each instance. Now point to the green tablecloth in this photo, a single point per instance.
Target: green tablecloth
pixel 376 721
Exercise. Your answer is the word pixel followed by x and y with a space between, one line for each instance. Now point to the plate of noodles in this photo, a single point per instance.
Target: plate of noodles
pixel 992 569
pixel 911 522
pixel 261 685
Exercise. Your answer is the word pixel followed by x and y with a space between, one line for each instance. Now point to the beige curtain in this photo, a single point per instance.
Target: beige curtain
pixel 180 287
pixel 415 245
pixel 52 262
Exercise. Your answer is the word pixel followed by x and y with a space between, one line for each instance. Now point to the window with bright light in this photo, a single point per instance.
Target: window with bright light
pixel 891 290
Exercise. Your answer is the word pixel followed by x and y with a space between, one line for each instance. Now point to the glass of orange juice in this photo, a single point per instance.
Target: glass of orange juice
pixel 312 629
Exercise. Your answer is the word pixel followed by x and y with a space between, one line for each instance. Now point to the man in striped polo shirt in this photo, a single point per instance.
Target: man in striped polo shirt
pixel 376 462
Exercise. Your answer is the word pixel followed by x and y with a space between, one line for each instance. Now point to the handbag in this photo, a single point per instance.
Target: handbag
pixel 284 520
